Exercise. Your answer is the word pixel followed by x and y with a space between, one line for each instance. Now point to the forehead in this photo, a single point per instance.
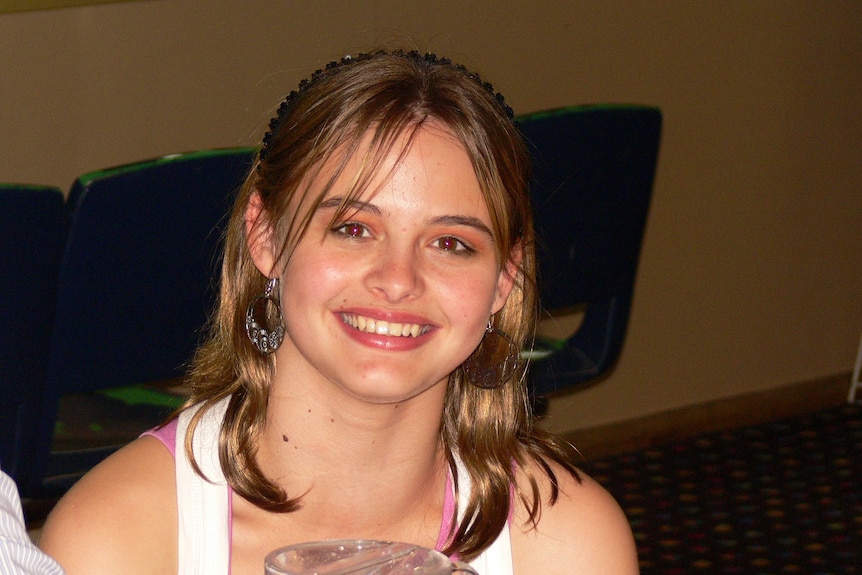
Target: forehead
pixel 427 154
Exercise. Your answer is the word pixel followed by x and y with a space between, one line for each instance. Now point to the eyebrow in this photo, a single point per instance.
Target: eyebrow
pixel 351 206
pixel 354 206
pixel 468 221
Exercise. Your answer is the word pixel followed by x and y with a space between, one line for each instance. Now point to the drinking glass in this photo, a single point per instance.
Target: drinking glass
pixel 360 557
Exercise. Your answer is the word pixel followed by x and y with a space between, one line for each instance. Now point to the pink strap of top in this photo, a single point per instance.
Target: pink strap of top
pixel 168 436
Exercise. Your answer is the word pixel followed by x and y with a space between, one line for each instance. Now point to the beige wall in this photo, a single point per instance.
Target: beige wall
pixel 751 271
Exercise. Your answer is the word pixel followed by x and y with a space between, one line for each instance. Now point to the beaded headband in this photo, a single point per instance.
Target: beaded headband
pixel 276 123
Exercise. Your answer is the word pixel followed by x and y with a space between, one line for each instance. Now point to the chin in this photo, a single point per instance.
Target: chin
pixel 388 394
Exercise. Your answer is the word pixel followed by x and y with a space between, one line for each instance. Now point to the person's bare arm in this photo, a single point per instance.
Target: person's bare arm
pixel 119 518
pixel 585 532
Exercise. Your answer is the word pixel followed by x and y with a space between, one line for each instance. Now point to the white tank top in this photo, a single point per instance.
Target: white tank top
pixel 204 507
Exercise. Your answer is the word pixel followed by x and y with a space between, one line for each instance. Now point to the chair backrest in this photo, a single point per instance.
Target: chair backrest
pixel 32 231
pixel 594 168
pixel 138 277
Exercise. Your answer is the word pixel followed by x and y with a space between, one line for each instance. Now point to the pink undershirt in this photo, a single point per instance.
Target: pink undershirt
pixel 168 436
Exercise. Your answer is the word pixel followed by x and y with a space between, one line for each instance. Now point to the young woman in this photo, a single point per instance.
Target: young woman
pixel 360 378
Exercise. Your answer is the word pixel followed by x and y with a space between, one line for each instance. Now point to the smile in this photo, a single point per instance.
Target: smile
pixel 381 327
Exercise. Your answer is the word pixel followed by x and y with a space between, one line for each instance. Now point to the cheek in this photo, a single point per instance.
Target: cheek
pixel 307 283
pixel 473 297
pixel 311 269
pixel 474 312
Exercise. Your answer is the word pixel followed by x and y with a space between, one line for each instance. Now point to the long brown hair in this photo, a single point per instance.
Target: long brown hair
pixel 387 94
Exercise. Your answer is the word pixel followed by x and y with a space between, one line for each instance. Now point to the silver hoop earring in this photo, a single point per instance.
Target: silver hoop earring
pixel 268 336
pixel 494 361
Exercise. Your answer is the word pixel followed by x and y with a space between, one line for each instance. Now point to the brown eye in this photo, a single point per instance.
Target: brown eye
pixel 451 244
pixel 351 229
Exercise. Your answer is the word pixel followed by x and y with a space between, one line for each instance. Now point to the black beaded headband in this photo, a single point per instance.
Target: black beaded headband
pixel 276 123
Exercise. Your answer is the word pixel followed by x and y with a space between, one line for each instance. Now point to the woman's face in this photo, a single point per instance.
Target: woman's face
pixel 387 302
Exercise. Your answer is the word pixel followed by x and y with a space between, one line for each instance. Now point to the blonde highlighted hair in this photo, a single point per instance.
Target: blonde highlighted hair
pixel 386 94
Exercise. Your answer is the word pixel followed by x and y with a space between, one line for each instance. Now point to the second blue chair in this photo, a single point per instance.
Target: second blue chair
pixel 137 282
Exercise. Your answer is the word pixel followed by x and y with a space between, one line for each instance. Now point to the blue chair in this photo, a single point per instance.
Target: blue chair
pixel 594 168
pixel 137 282
pixel 32 231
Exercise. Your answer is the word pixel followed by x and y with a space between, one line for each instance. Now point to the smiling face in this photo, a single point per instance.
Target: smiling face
pixel 386 300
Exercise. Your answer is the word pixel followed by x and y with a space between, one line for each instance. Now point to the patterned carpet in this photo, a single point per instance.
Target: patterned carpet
pixel 783 497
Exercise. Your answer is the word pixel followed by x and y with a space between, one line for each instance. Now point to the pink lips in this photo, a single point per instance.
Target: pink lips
pixel 390 331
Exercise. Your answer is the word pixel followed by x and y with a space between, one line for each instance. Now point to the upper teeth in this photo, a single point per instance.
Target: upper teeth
pixel 381 327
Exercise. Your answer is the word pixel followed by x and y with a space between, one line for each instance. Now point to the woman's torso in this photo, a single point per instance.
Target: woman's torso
pixel 206 529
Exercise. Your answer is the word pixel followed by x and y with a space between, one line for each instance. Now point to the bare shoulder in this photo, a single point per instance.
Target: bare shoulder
pixel 121 517
pixel 584 532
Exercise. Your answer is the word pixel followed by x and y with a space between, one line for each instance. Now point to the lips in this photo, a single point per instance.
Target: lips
pixel 382 327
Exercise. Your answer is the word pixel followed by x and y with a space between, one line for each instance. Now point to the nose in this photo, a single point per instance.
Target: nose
pixel 396 274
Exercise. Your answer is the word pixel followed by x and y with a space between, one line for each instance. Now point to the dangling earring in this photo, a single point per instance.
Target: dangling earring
pixel 267 338
pixel 494 361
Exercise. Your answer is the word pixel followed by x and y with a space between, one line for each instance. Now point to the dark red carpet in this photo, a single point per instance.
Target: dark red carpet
pixel 783 497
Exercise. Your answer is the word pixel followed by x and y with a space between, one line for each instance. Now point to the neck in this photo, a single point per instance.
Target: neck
pixel 360 467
